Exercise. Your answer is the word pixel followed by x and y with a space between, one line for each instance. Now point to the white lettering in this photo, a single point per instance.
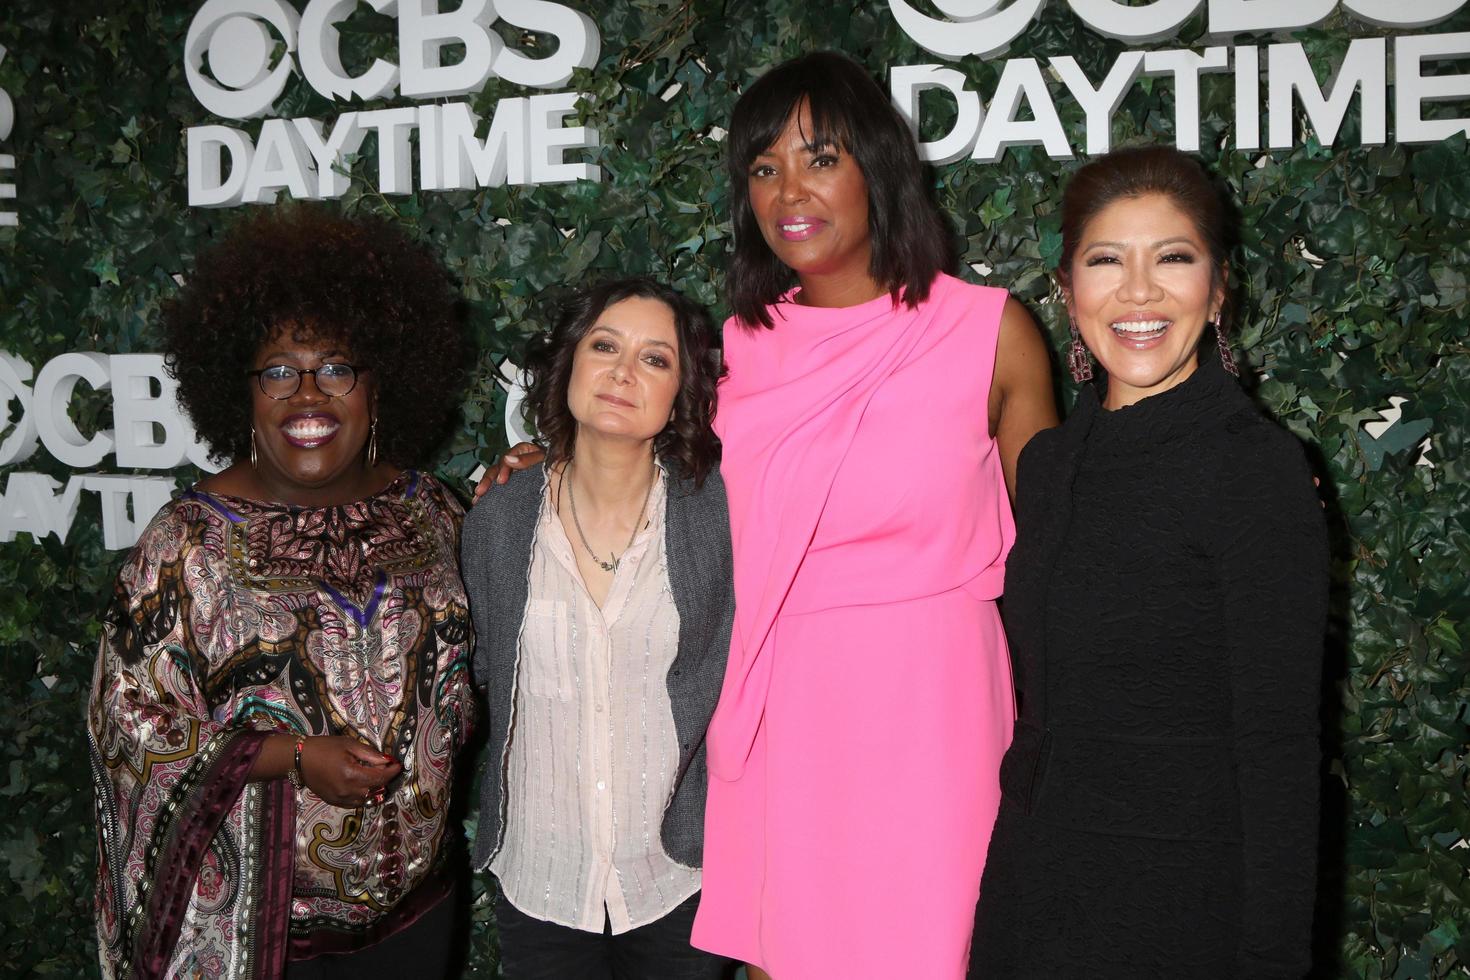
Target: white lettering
pixel 281 162
pixel 908 83
pixel 577 43
pixel 1100 103
pixel 395 155
pixel 53 393
pixel 137 413
pixel 209 187
pixel 1254 16
pixel 549 140
pixel 1363 69
pixel 22 440
pixel 321 55
pixel 1021 79
pixel 327 153
pixel 1248 98
pixel 1413 88
pixel 1186 67
pixel 459 160
pixel 1135 23
pixel 423 33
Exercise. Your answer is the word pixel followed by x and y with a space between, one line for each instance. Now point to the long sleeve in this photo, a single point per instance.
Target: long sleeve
pixel 1273 565
pixel 167 776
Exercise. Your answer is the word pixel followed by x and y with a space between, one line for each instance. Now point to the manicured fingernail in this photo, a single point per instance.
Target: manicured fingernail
pixel 512 459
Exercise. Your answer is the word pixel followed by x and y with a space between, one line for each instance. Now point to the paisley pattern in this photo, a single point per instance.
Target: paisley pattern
pixel 231 619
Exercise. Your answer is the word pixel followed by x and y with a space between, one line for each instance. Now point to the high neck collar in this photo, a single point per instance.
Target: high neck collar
pixel 1171 415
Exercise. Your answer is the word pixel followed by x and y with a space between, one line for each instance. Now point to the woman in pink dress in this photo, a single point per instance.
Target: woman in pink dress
pixel 855 751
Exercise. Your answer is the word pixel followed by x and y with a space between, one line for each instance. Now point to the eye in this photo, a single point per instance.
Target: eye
pixel 1101 259
pixel 1183 257
pixel 278 372
pixel 604 347
pixel 334 370
pixel 657 360
pixel 762 170
pixel 824 160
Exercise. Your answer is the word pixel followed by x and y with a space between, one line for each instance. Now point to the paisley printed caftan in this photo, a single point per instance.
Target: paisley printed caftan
pixel 233 619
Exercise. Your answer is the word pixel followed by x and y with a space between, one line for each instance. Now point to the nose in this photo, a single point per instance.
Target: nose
pixel 792 189
pixel 622 370
pixel 1138 285
pixel 308 393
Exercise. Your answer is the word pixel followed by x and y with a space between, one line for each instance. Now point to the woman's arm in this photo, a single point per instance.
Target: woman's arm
pixel 1022 401
pixel 1273 578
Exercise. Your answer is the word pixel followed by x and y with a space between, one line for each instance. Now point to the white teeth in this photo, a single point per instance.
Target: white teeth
pixel 1140 326
pixel 795 229
pixel 308 431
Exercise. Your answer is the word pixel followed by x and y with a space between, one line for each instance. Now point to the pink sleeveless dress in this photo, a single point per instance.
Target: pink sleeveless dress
pixel 855 752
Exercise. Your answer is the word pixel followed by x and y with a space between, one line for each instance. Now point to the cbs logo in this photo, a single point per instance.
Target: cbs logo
pixel 236 37
pixel 987 27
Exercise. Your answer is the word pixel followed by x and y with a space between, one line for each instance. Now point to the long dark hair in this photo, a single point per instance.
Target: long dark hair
pixel 910 241
pixel 688 444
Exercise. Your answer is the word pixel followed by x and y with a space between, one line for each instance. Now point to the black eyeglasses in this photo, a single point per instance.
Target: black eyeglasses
pixel 281 381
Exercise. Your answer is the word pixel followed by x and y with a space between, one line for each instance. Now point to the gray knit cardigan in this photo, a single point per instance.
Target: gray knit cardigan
pixel 495 557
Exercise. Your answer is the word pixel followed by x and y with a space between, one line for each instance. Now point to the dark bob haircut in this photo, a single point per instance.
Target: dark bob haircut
pixel 1135 172
pixel 358 282
pixel 687 444
pixel 910 240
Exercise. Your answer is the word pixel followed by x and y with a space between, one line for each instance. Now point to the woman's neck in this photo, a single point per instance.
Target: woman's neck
pixel 838 289
pixel 610 474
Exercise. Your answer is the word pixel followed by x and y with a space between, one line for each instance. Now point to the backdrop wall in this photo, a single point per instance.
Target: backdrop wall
pixel 1352 285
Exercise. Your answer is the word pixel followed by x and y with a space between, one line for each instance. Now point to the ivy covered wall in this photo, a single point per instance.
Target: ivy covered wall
pixel 1352 280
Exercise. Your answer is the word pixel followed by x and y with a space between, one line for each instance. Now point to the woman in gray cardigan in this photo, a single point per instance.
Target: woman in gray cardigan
pixel 600 589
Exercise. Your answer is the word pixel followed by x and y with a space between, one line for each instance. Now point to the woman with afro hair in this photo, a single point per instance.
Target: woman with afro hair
pixel 282 688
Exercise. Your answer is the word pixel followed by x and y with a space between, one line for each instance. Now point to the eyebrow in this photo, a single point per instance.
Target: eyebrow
pixel 809 147
pixel 1177 239
pixel 320 355
pixel 622 336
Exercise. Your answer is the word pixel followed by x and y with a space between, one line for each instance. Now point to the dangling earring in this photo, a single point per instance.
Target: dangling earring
pixel 1227 355
pixel 373 445
pixel 254 460
pixel 1078 358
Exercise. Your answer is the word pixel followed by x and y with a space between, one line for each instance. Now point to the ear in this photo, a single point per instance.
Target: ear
pixel 1217 295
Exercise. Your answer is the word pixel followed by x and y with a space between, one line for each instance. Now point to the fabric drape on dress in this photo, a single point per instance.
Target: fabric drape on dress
pixel 233 619
pixel 788 415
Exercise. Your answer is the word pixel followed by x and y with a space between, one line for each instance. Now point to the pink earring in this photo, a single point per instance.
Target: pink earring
pixel 1078 358
pixel 1227 355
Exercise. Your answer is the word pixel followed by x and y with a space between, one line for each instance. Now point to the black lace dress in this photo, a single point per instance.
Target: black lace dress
pixel 1165 604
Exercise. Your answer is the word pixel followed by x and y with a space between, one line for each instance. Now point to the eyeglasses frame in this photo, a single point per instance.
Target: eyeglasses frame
pixel 357 370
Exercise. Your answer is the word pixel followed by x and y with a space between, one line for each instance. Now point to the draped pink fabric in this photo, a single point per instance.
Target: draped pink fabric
pixel 855 752
pixel 789 412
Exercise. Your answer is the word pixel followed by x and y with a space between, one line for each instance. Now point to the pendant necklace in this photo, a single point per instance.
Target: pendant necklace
pixel 606 566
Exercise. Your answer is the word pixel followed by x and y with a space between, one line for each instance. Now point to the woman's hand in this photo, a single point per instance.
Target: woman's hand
pixel 344 772
pixel 521 456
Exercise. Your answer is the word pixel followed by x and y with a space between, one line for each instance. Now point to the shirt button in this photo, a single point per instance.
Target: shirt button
pixel 598 707
pixel 601 785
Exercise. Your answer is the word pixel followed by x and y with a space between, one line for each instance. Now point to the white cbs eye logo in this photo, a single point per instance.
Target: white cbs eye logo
pixel 974 27
pixel 7 108
pixel 235 36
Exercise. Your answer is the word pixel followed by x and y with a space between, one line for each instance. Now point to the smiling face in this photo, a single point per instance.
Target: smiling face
pixel 1142 289
pixel 811 204
pixel 310 447
pixel 625 372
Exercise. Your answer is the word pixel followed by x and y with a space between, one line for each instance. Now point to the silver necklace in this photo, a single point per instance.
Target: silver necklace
pixel 606 566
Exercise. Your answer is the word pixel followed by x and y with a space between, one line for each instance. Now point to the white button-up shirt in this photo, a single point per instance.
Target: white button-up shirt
pixel 593 752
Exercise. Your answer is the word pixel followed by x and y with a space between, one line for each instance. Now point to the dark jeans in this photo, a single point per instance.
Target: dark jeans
pixel 534 950
pixel 420 951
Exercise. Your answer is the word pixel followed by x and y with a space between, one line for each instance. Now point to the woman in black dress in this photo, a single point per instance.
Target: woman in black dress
pixel 1165 604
